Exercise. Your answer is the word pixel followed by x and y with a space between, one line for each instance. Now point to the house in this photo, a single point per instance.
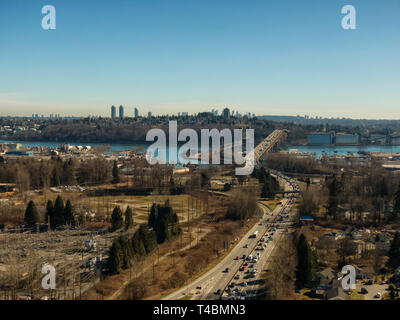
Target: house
pixel 363 272
pixel 306 219
pixel 326 279
pixel 356 234
pixel 336 293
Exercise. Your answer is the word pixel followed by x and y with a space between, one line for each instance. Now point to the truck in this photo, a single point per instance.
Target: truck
pixel 254 235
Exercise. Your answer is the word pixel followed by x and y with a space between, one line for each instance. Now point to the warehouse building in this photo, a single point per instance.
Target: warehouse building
pixel 346 139
pixel 321 138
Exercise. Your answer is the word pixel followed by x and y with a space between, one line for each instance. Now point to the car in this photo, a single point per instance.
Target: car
pixel 364 291
pixel 237 258
pixel 243 257
pixel 242 268
pixel 237 277
pixel 369 282
pixel 378 295
pixel 218 292
pixel 244 284
pixel 251 266
pixel 255 271
pixel 245 264
pixel 198 287
pixel 226 270
pixel 246 246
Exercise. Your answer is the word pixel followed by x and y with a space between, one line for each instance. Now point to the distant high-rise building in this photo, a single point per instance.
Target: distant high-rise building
pixel 149 114
pixel 226 113
pixel 113 112
pixel 136 113
pixel 121 112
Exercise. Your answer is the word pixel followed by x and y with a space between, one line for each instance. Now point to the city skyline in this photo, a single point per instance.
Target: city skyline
pixel 269 58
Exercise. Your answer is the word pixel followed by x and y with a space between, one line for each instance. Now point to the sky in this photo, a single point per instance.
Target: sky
pixel 268 57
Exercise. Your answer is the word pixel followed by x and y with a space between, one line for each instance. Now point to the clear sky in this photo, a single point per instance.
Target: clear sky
pixel 284 57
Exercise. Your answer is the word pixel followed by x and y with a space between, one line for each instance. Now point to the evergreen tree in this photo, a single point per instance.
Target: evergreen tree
pixel 127 252
pixel 394 252
pixel 68 215
pixel 149 239
pixel 115 260
pixel 304 263
pixel 116 219
pixel 137 245
pixel 82 219
pixel 115 173
pixel 172 186
pixel 55 178
pixel 58 213
pixel 167 223
pixel 128 218
pixel 31 215
pixel 152 216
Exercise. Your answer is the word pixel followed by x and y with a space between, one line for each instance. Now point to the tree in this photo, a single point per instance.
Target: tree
pixel 68 215
pixel 116 219
pixel 137 245
pixel 115 260
pixel 396 207
pixel 49 212
pixel 115 173
pixel 304 263
pixel 82 219
pixel 31 215
pixel 128 218
pixel 58 213
pixel 127 252
pixel 394 252
pixel 164 222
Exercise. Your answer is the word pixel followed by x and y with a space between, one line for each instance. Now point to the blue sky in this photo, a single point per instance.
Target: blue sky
pixel 165 56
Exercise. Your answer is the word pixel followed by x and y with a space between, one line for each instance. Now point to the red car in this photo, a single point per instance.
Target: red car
pixel 237 258
pixel 242 268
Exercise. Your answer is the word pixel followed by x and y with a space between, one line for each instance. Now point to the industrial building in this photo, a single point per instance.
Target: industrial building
pixel 342 139
pixel 321 138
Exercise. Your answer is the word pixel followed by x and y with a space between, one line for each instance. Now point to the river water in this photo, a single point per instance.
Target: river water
pixel 344 150
pixel 318 150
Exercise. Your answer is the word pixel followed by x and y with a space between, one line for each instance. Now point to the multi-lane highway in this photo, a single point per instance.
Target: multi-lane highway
pixel 213 284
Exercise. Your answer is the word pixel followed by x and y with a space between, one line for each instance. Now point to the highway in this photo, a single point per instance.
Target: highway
pixel 206 287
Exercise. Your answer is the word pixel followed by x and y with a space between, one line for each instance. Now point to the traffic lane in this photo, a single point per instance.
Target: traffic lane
pixel 219 268
pixel 224 280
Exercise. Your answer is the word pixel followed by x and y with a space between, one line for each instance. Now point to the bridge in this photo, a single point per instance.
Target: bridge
pixel 269 144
